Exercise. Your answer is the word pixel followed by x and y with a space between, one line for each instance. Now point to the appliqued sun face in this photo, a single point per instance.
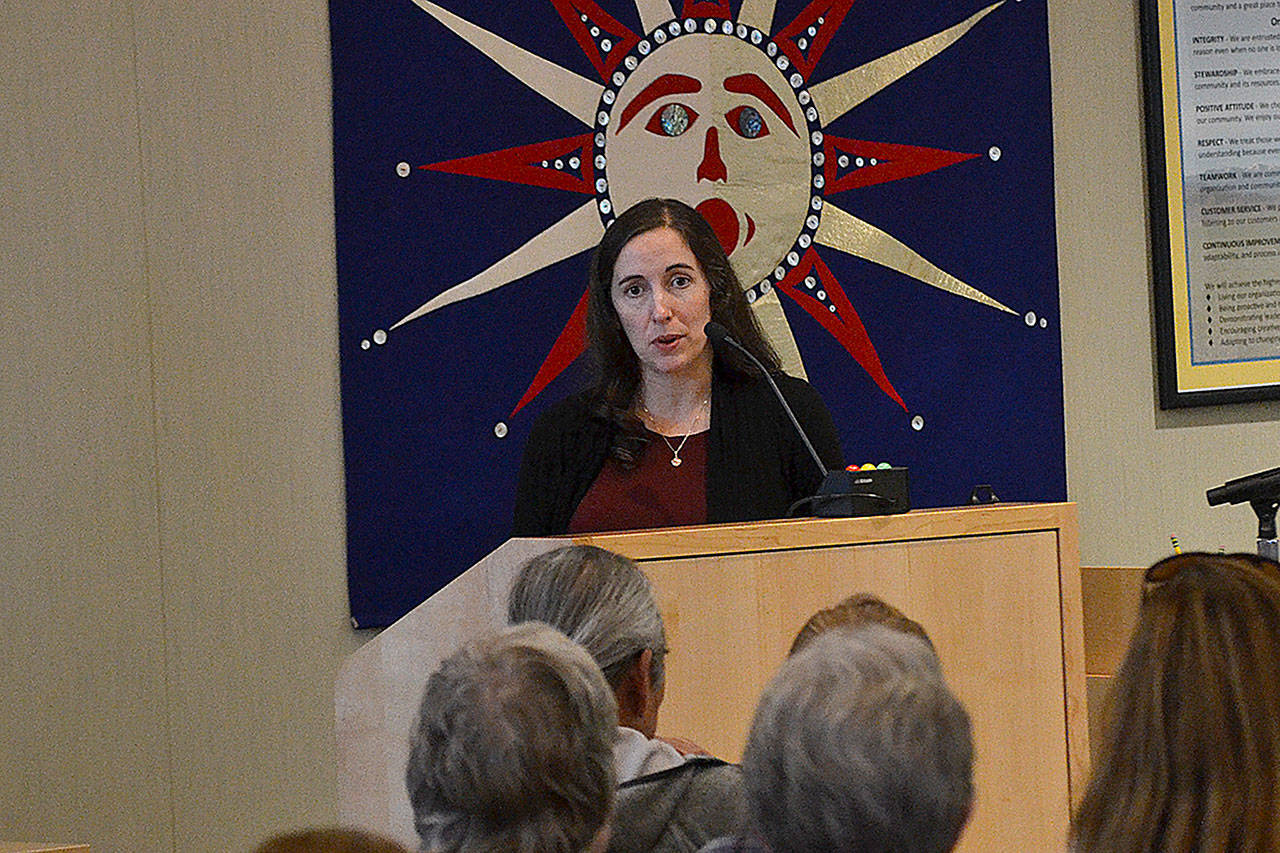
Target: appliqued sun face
pixel 723 115
pixel 734 146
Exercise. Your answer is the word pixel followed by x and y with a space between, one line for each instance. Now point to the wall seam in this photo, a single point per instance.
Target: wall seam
pixel 153 395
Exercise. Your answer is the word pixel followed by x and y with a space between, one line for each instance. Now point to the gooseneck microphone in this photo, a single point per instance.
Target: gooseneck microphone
pixel 1264 485
pixel 719 336
pixel 836 497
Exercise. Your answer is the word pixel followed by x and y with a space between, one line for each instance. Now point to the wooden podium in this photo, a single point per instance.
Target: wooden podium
pixel 997 587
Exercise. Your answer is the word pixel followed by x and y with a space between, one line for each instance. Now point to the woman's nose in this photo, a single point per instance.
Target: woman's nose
pixel 661 307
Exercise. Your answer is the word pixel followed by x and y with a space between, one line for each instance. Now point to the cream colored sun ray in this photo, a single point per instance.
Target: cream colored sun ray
pixel 837 96
pixel 571 92
pixel 843 231
pixel 758 14
pixel 773 321
pixel 653 13
pixel 575 233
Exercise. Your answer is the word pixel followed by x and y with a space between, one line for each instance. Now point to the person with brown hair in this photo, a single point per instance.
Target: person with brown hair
pixel 1192 760
pixel 672 432
pixel 862 608
pixel 330 840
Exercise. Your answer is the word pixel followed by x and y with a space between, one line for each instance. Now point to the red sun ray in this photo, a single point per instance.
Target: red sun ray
pixel 845 325
pixel 568 346
pixel 523 164
pixel 621 38
pixel 832 13
pixel 892 161
pixel 706 9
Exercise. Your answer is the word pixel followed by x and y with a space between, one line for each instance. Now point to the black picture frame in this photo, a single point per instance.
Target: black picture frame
pixel 1169 274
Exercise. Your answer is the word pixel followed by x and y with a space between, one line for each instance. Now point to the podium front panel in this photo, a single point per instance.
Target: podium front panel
pixel 1000 605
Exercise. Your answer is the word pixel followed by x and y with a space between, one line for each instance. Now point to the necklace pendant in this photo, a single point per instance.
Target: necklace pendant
pixel 675 461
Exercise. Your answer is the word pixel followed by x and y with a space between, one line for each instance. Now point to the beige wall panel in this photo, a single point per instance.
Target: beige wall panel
pixel 1138 474
pixel 235 115
pixel 1099 689
pixel 82 700
pixel 1111 597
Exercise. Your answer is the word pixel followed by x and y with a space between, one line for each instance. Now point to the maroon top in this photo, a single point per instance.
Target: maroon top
pixel 653 494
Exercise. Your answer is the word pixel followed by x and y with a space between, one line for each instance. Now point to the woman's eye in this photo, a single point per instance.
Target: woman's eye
pixel 681 281
pixel 633 290
pixel 747 122
pixel 671 120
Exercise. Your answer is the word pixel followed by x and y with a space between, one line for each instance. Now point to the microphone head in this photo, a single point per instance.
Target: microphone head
pixel 715 333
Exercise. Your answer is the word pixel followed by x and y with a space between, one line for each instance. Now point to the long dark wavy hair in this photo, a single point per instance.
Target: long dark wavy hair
pixel 617 367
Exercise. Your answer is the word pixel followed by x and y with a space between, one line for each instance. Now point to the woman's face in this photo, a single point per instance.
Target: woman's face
pixel 663 302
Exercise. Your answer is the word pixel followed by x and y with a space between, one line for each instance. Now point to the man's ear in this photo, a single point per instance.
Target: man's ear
pixel 635 692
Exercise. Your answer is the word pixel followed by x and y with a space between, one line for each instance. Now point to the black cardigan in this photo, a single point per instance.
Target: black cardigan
pixel 756 464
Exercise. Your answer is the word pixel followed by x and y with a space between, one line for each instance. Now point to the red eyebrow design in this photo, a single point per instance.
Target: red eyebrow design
pixel 667 84
pixel 750 84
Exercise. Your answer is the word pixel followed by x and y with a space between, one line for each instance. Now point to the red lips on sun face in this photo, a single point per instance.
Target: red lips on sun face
pixel 724 221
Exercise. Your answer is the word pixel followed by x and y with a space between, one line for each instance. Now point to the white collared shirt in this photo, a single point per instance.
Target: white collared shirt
pixel 635 755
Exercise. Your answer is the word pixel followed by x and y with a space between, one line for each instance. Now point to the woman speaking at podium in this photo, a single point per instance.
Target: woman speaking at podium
pixel 671 432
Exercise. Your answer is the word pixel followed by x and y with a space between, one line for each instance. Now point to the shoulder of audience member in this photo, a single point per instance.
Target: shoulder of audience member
pixel 735 844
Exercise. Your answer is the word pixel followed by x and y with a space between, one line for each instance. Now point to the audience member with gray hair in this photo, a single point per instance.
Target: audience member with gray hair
pixel 513 748
pixel 857 745
pixel 667 801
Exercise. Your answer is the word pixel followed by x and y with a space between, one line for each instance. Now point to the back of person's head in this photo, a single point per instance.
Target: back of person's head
pixel 858 745
pixel 1192 761
pixel 513 748
pixel 860 609
pixel 330 840
pixel 600 600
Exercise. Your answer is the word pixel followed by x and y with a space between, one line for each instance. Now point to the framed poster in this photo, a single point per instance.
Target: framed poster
pixel 1212 78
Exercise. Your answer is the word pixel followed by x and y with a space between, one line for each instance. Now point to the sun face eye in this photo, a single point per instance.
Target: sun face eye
pixel 671 120
pixel 747 122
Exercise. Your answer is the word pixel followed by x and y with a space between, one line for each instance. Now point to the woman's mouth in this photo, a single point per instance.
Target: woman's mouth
pixel 667 342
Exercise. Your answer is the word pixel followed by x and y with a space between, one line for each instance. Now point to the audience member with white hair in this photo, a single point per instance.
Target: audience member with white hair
pixel 667 800
pixel 857 745
pixel 513 748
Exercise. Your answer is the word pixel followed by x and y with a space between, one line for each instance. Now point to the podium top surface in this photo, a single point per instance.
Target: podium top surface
pixel 786 534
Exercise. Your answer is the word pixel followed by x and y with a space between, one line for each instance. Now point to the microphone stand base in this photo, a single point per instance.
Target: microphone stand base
pixel 851 494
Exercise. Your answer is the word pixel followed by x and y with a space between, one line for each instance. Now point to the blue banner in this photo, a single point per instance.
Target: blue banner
pixel 881 173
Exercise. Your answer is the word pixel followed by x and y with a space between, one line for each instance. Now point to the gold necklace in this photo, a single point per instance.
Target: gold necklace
pixel 676 448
